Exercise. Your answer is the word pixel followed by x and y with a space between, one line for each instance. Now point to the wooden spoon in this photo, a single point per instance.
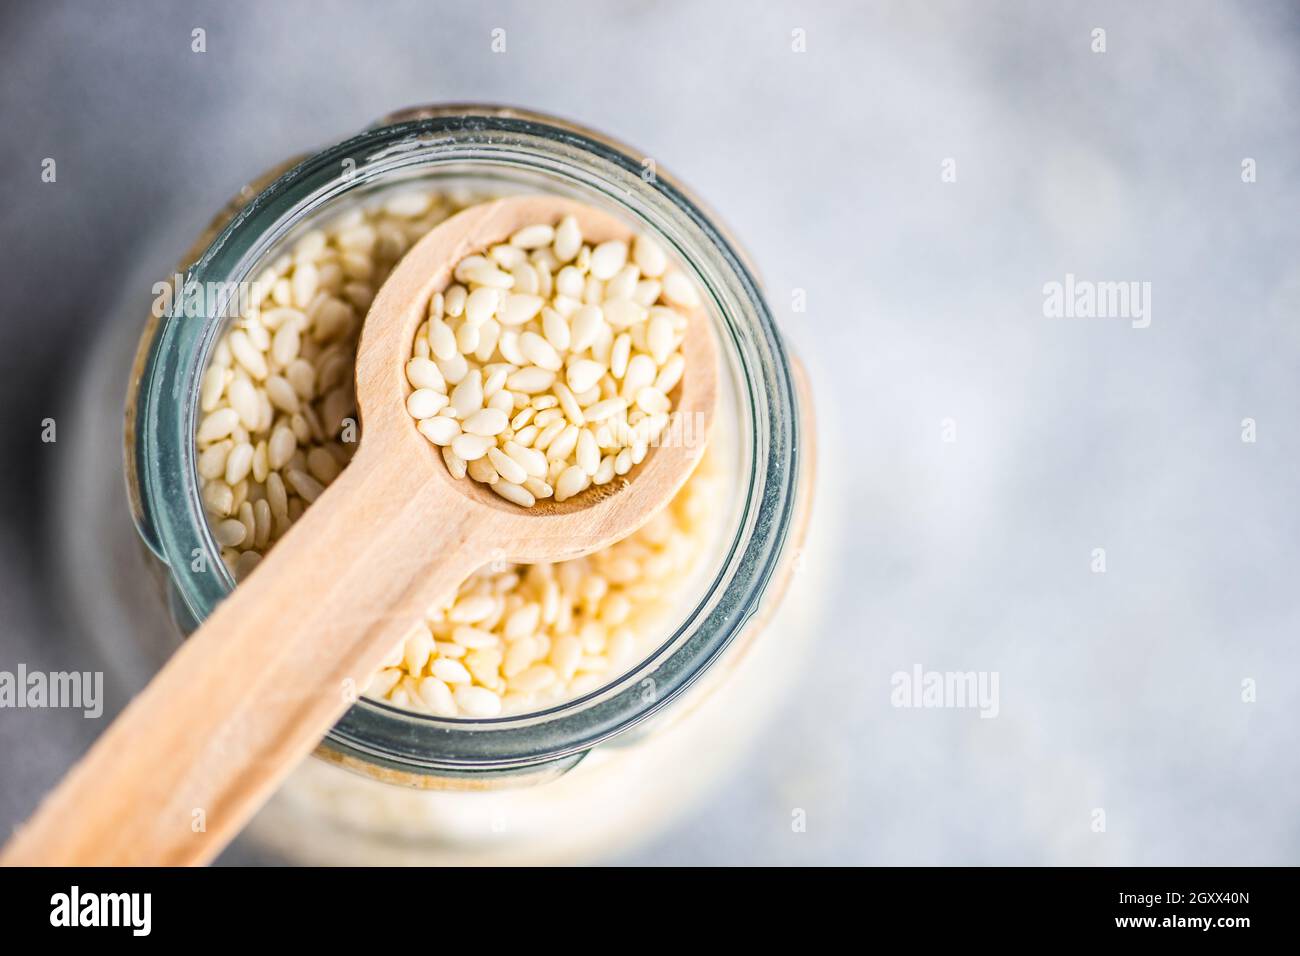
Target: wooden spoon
pixel 254 690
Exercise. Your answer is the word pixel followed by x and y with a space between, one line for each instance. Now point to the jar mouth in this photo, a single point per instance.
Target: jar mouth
pixel 521 149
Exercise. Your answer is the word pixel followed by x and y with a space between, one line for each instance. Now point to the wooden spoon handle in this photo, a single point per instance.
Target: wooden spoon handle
pixel 277 663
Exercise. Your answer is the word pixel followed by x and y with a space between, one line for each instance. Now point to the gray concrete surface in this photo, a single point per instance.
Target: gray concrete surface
pixel 1119 691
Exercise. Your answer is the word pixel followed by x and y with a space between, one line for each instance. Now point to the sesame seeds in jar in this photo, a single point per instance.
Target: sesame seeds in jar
pixel 521 637
pixel 277 401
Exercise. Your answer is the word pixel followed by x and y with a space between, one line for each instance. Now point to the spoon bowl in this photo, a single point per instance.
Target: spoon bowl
pixel 550 530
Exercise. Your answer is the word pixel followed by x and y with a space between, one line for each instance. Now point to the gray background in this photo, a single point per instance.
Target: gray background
pixel 1120 690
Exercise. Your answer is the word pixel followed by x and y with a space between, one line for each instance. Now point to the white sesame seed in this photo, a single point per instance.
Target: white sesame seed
pixel 568 239
pixel 572 481
pixel 564 444
pixel 437 696
pixel 649 256
pixel 425 403
pixel 680 291
pixel 607 258
pixel 550 430
pixel 603 410
pixel 440 430
pixel 533 237
pixel 451 671
pixel 453 370
pixel 515 493
pixel 472 637
pixel 588 452
pixel 539 488
pixel 652 401
pixel 605 473
pixel 531 380
pixel 442 340
pixel 481 470
pixel 540 352
pixel 239 463
pixel 508 257
pixel 534 461
pixel 660 337
pixel 306 486
pixel 229 533
pixel 476 270
pixel 494 379
pixel 423 373
pixel 218 425
pixel 243 399
pixel 212 460
pixel 467 338
pixel 620 354
pixel 508 346
pixel 537 677
pixel 213 384
pixel 467 397
pixel 481 305
pixel 569 404
pixel 641 371
pixel 583 374
pixel 472 447
pixel 487 422
pixel 623 313
pixel 477 701
pixel 454 301
pixel 455 464
pixel 473 609
pixel 247 354
pixel 556 330
pixel 280 394
pixel 569 282
pixel 507 467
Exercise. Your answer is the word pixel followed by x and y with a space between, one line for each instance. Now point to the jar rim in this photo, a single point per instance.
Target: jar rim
pixel 171 515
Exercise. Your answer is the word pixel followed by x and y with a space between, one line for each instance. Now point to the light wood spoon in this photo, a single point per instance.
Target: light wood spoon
pixel 255 689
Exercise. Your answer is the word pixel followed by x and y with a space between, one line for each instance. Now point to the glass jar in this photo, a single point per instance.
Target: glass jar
pixel 397 786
